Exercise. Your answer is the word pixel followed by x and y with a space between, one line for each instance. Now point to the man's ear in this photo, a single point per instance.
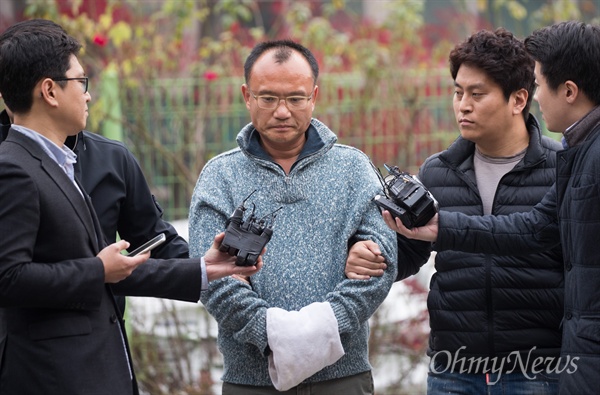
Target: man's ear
pixel 571 91
pixel 48 89
pixel 519 100
pixel 246 95
pixel 314 96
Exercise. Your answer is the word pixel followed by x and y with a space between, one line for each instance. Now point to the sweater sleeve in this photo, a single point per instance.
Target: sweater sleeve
pixel 354 301
pixel 233 304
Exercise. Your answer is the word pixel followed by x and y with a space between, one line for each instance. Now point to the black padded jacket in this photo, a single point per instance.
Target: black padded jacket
pixel 484 305
pixel 112 177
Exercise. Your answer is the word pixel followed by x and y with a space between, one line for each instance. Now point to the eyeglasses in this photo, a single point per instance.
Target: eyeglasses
pixel 82 80
pixel 268 102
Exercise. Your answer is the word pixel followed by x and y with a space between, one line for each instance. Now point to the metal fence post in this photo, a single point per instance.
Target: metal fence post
pixel 109 92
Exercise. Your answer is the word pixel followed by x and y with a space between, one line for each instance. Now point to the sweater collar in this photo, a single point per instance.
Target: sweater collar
pixel 313 144
pixel 319 139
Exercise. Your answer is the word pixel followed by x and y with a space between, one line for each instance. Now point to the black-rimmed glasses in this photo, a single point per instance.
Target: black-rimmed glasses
pixel 268 102
pixel 82 80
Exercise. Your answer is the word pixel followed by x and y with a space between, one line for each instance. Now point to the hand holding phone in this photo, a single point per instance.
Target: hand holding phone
pixel 149 245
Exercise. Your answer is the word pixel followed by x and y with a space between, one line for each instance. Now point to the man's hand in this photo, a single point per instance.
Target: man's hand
pixel 428 232
pixel 221 264
pixel 242 278
pixel 117 266
pixel 365 260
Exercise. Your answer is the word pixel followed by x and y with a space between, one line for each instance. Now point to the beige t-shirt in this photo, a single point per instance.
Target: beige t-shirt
pixel 488 172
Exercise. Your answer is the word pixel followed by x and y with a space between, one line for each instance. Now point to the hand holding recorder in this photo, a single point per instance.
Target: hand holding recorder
pixel 427 232
pixel 222 264
pixel 406 198
pixel 118 267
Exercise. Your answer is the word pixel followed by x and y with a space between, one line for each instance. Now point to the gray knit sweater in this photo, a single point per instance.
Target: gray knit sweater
pixel 326 201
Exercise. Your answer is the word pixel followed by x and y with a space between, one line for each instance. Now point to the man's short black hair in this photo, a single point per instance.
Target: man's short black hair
pixel 29 52
pixel 568 51
pixel 283 52
pixel 502 57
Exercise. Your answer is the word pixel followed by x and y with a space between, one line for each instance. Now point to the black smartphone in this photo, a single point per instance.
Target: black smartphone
pixel 149 245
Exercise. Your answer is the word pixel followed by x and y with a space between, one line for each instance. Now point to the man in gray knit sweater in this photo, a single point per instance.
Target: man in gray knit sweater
pixel 299 324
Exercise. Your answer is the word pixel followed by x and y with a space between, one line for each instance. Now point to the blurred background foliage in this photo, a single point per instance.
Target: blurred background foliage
pixel 165 79
pixel 166 75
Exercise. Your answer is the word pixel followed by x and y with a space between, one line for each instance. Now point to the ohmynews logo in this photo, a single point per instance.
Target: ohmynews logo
pixel 507 364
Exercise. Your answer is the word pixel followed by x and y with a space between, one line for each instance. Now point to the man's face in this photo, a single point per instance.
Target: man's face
pixel 551 102
pixel 281 129
pixel 73 99
pixel 482 112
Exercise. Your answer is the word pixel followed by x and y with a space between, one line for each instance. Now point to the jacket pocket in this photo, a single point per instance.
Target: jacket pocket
pixel 583 187
pixel 60 327
pixel 589 329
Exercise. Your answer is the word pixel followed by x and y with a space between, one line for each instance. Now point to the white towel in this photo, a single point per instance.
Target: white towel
pixel 302 343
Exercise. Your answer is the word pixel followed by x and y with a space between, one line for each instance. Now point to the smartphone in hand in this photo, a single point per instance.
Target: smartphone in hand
pixel 149 245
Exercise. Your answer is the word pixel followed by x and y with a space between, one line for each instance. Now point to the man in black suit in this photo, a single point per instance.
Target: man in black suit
pixel 57 277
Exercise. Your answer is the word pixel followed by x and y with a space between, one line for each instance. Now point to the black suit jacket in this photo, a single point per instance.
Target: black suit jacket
pixel 64 330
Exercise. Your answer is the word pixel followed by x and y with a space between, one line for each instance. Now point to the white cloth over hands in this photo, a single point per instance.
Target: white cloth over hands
pixel 302 343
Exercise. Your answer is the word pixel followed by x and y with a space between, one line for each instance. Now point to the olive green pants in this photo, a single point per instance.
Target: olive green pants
pixel 359 384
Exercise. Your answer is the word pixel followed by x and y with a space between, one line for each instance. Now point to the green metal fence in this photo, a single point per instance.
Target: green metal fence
pixel 174 126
